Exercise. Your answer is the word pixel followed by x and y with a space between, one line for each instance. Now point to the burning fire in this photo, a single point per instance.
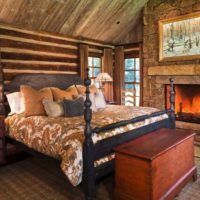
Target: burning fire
pixel 187 99
pixel 196 104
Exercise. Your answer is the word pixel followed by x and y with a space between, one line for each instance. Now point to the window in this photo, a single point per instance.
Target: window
pixel 132 82
pixel 94 64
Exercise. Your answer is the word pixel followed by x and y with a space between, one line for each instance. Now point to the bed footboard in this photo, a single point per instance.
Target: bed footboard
pixel 104 147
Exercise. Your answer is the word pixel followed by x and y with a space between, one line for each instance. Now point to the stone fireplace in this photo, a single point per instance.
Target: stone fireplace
pixel 187 86
pixel 186 78
pixel 187 91
pixel 156 74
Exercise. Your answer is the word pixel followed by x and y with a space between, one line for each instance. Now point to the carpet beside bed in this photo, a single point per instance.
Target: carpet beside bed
pixel 36 179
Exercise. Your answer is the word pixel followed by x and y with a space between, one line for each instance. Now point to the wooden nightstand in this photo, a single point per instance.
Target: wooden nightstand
pixel 2 141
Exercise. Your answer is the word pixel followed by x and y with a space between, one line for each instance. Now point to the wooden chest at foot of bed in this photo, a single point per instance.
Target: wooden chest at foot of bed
pixel 155 166
pixel 2 141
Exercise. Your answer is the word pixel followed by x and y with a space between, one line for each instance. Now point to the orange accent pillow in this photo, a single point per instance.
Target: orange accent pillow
pixel 69 93
pixel 33 100
pixel 81 89
pixel 72 89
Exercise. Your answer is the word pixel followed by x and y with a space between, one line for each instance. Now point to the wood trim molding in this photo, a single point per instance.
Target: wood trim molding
pixel 179 70
pixel 132 49
pixel 95 50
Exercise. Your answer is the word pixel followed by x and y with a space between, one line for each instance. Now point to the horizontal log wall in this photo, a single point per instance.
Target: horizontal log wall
pixel 26 51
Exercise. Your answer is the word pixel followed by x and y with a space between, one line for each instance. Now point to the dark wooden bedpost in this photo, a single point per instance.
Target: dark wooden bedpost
pixel 2 108
pixel 172 104
pixel 88 148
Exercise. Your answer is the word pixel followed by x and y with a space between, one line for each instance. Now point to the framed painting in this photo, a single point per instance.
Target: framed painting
pixel 179 38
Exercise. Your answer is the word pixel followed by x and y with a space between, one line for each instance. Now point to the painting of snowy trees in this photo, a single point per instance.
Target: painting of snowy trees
pixel 180 38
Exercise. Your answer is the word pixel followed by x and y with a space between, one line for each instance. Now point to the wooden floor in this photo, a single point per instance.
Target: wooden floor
pixel 36 179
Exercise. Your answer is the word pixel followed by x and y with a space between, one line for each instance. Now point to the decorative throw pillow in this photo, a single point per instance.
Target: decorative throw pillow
pixel 59 94
pixel 16 103
pixel 72 89
pixel 53 108
pixel 81 89
pixel 33 100
pixel 99 100
pixel 74 107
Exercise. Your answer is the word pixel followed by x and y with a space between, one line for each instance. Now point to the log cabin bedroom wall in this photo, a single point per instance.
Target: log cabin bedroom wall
pixel 28 51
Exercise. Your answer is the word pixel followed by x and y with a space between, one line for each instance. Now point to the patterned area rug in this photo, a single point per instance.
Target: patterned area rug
pixel 36 179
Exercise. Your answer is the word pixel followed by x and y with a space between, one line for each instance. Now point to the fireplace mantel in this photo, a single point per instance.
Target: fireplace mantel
pixel 175 70
pixel 178 79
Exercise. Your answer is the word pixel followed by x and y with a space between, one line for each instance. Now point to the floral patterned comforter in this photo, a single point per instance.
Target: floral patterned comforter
pixel 62 138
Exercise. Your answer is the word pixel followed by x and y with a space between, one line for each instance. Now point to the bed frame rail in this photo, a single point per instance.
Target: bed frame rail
pixel 126 122
pixel 105 147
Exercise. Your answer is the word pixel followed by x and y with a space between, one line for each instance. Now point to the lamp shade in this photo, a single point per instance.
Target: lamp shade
pixel 104 77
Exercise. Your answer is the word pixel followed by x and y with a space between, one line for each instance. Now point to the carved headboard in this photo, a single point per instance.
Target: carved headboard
pixel 38 81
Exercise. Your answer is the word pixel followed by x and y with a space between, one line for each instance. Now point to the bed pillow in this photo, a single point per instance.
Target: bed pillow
pixel 59 95
pixel 33 100
pixel 73 108
pixel 53 108
pixel 72 89
pixel 81 89
pixel 16 103
pixel 99 100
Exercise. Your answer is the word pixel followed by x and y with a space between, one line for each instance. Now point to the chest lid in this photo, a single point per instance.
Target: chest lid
pixel 155 143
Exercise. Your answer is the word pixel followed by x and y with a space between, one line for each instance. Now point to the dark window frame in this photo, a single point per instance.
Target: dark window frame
pixel 134 95
pixel 94 67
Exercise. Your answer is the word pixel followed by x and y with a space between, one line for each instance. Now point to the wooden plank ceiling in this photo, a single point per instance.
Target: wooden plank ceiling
pixel 102 20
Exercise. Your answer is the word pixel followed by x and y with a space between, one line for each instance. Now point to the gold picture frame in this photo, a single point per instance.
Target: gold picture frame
pixel 179 38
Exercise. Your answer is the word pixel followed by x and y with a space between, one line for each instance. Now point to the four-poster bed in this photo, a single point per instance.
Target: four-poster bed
pixel 104 147
pixel 90 152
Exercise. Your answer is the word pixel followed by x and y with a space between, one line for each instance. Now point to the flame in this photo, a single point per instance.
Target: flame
pixel 196 104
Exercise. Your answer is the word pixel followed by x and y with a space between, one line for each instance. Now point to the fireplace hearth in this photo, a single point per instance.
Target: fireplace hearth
pixel 187 102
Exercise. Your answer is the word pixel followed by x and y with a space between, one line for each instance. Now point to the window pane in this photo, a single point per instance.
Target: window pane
pixel 137 101
pixel 90 72
pixel 128 93
pixel 96 71
pixel 137 64
pixel 131 89
pixel 94 64
pixel 129 86
pixel 90 61
pixel 129 76
pixel 129 101
pixel 129 63
pixel 137 90
pixel 97 62
pixel 137 76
